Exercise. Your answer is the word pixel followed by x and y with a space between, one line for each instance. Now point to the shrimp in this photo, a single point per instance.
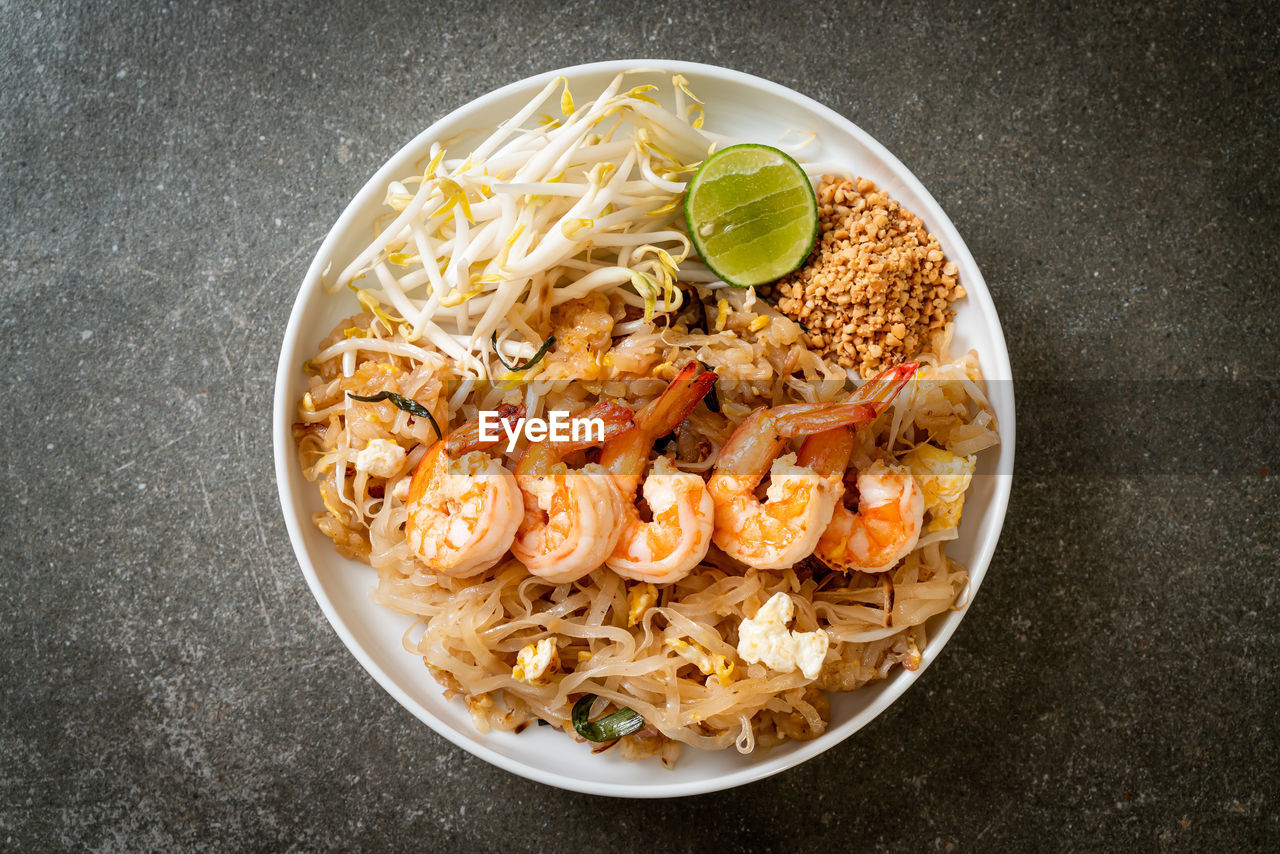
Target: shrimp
pixel 572 518
pixel 464 506
pixel 804 493
pixel 776 533
pixel 890 511
pixel 883 531
pixel 666 549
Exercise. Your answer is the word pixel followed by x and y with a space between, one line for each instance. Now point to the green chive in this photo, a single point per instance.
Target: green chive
pixel 536 358
pixel 404 404
pixel 612 726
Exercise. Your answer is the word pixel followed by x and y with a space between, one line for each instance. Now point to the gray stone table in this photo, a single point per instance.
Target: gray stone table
pixel 167 171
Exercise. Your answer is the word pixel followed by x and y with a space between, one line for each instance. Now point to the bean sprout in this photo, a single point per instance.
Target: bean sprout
pixel 586 201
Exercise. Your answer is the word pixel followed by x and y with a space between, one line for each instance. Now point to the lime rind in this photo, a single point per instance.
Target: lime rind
pixel 747 236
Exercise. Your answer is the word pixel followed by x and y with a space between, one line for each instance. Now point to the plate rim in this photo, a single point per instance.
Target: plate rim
pixel 284 455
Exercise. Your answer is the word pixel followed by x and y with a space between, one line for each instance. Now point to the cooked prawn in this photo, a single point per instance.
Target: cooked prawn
pixel 885 528
pixel 776 533
pixel 887 523
pixel 667 548
pixel 464 506
pixel 572 518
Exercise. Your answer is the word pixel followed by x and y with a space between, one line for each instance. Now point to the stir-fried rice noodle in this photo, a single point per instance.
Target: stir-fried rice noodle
pixel 667 652
pixel 472 629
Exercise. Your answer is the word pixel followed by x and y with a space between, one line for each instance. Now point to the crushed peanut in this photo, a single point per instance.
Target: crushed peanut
pixel 877 288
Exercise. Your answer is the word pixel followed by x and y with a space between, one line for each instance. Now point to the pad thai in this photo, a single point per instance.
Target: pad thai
pixel 748 529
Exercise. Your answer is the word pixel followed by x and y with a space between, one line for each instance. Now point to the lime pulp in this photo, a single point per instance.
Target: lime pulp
pixel 752 214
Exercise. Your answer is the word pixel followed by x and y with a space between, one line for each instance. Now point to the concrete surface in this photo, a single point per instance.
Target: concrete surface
pixel 167 171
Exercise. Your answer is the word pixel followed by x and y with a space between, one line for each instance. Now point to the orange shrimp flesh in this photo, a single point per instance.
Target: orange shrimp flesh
pixel 778 532
pixel 463 505
pixel 572 517
pixel 666 549
pixel 887 523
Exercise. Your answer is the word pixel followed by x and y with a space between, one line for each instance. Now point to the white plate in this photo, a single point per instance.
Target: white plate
pixel 750 109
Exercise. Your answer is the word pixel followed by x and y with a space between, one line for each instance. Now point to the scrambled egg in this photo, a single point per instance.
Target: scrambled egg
pixel 380 458
pixel 722 314
pixel 639 600
pixel 765 638
pixel 536 662
pixel 943 478
pixel 701 658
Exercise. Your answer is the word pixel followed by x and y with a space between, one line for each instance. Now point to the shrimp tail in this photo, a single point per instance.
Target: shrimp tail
pixel 802 419
pixel 669 410
pixel 626 457
pixel 880 390
pixel 870 399
pixel 828 452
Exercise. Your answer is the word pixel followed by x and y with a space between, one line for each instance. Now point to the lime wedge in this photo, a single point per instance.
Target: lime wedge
pixel 752 214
